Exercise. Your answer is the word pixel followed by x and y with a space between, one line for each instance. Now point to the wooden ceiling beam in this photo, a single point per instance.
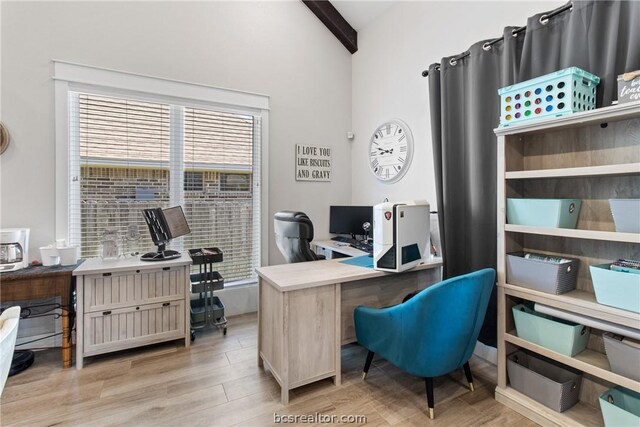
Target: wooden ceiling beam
pixel 335 22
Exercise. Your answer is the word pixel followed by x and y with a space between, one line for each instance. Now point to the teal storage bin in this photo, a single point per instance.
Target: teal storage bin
pixel 555 94
pixel 626 215
pixel 556 213
pixel 559 335
pixel 620 407
pixel 616 288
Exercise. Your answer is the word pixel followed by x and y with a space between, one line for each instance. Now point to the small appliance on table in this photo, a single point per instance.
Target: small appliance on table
pixel 14 249
pixel 207 309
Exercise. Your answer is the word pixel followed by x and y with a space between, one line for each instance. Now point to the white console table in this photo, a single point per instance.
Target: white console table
pixel 127 303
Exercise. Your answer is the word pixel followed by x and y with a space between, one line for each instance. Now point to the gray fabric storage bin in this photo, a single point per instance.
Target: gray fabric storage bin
pixel 623 358
pixel 548 382
pixel 544 276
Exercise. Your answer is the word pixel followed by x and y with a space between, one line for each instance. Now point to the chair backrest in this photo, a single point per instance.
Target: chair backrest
pixel 294 232
pixel 444 320
pixel 8 333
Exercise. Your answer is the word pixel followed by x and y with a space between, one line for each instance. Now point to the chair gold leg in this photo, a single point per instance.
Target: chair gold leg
pixel 367 364
pixel 467 373
pixel 430 400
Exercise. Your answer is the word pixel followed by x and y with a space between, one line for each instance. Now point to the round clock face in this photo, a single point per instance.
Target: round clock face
pixel 4 138
pixel 390 151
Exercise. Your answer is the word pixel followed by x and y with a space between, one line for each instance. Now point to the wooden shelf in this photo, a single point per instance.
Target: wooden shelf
pixel 574 153
pixel 586 171
pixel 612 113
pixel 579 415
pixel 577 301
pixel 611 236
pixel 588 361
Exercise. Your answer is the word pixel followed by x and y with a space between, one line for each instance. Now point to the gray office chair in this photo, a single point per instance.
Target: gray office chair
pixel 294 232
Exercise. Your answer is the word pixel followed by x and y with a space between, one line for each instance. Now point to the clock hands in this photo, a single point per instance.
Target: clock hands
pixel 385 151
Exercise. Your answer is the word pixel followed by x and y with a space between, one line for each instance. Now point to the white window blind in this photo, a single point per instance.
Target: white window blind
pixel 127 155
pixel 219 144
pixel 120 165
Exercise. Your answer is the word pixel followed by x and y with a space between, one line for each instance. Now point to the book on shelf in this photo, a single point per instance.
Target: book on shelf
pixel 626 266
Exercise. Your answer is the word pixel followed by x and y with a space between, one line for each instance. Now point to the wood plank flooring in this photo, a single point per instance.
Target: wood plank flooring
pixel 218 383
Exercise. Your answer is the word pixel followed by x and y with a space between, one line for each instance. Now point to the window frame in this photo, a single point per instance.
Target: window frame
pixel 69 77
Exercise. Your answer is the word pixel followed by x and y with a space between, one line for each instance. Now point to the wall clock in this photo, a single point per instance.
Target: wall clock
pixel 4 138
pixel 391 151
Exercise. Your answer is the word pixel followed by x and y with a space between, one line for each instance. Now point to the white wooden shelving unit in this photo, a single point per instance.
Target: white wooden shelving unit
pixel 593 156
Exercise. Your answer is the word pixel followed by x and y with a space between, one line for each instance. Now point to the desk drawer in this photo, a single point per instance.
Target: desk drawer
pixel 110 291
pixel 122 328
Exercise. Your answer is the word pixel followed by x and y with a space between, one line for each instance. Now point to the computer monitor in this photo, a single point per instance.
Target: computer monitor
pixel 164 225
pixel 349 219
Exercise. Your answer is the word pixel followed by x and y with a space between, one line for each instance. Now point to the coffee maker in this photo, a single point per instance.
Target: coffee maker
pixel 14 249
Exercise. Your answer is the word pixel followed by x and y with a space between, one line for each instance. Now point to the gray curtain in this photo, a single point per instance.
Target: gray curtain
pixel 597 36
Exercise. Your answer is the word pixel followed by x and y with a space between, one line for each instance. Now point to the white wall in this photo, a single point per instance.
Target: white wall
pixel 318 90
pixel 275 48
pixel 392 52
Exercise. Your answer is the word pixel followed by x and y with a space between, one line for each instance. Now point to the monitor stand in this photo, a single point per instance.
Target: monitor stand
pixel 161 255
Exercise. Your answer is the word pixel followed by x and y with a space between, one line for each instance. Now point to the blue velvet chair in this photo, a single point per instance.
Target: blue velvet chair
pixel 432 333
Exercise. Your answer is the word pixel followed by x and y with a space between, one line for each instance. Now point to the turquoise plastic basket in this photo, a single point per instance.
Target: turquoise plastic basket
pixel 620 407
pixel 616 288
pixel 554 94
pixel 556 213
pixel 559 335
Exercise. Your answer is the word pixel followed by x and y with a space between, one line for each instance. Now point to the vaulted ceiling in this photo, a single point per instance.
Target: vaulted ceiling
pixel 345 17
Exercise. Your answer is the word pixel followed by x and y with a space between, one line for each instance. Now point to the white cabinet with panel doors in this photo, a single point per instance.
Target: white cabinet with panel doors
pixel 129 303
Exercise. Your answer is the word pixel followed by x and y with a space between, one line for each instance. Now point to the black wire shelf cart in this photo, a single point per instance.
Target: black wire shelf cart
pixel 207 309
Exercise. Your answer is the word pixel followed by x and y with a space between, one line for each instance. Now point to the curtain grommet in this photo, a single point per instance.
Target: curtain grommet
pixel 453 62
pixel 514 33
pixel 486 47
pixel 543 19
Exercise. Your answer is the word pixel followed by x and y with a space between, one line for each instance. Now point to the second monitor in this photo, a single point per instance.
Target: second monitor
pixel 349 219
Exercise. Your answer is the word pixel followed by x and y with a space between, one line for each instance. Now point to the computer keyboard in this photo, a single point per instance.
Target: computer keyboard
pixel 365 247
pixel 354 243
pixel 343 239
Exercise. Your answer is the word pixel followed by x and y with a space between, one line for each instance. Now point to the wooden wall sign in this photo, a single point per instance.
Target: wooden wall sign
pixel 313 163
pixel 629 87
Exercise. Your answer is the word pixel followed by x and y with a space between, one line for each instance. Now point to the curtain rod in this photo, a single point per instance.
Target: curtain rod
pixel 544 20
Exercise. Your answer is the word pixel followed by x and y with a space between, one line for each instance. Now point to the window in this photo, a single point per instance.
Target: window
pixel 193 181
pixel 235 182
pixel 128 154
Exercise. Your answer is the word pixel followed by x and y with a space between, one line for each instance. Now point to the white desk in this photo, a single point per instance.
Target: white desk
pixel 305 313
pixel 329 248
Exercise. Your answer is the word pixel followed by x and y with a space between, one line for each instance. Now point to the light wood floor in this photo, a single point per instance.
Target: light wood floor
pixel 218 383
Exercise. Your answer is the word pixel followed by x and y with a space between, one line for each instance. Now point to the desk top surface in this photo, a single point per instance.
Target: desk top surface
pixel 340 247
pixel 99 265
pixel 36 271
pixel 302 275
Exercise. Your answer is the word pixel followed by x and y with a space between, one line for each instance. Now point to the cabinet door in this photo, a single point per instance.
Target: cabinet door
pixel 118 329
pixel 110 291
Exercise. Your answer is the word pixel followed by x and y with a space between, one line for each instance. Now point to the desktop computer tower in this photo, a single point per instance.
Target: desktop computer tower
pixel 400 235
